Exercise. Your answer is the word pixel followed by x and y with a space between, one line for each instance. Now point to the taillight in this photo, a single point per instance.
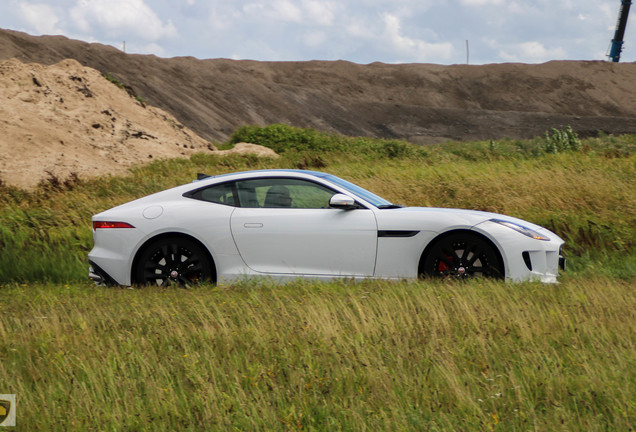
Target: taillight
pixel 104 224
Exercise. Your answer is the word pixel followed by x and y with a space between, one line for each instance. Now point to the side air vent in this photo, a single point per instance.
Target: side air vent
pixel 526 259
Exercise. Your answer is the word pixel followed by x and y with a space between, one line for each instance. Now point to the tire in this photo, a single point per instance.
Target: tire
pixel 462 256
pixel 173 261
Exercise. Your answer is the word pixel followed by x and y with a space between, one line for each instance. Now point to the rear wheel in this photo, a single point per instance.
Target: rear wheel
pixel 173 261
pixel 462 256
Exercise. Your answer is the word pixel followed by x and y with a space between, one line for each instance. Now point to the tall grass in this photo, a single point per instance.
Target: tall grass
pixel 376 355
pixel 310 356
pixel 586 196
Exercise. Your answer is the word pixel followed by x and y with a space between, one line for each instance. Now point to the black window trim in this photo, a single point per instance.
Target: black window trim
pixel 190 194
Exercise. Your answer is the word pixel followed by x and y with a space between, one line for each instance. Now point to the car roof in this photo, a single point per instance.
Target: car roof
pixel 264 171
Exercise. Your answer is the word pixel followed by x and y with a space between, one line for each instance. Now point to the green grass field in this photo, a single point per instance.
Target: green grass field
pixel 375 355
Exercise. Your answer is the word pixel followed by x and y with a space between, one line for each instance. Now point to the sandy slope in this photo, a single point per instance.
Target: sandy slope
pixel 66 118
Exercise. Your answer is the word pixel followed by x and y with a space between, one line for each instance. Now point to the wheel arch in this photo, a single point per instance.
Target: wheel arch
pixel 151 240
pixel 433 242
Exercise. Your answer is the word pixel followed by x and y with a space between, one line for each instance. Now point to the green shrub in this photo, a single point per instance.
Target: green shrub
pixel 561 140
pixel 395 149
pixel 287 139
pixel 114 80
pixel 282 138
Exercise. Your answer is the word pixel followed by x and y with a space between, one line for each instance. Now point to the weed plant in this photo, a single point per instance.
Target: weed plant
pixel 561 140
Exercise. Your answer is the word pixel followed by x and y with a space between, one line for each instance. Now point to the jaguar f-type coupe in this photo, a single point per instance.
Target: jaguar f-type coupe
pixel 294 223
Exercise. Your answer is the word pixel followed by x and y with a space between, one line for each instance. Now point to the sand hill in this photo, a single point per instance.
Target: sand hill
pixel 66 118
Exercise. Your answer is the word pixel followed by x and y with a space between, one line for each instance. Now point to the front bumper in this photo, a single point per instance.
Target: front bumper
pixel 526 258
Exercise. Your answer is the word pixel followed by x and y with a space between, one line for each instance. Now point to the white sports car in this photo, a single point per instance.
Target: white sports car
pixel 295 223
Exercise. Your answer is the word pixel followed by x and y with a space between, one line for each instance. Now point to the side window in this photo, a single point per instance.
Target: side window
pixel 220 194
pixel 283 193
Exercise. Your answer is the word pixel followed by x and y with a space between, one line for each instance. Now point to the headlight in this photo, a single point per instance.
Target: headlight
pixel 521 229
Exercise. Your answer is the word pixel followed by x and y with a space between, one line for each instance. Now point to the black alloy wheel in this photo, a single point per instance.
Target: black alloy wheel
pixel 173 261
pixel 462 256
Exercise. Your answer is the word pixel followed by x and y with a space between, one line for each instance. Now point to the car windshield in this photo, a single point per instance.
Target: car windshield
pixel 369 197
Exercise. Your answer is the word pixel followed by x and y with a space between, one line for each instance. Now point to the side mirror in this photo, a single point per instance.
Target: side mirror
pixel 342 201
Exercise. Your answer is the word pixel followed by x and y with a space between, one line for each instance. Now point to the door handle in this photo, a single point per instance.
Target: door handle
pixel 253 225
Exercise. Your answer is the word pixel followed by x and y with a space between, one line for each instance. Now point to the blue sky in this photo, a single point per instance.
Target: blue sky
pixel 361 31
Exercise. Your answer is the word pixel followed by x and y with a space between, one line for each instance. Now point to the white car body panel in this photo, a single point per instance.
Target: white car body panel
pixel 544 257
pixel 398 258
pixel 306 241
pixel 321 243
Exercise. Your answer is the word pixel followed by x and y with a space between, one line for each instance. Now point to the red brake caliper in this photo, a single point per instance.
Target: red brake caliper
pixel 442 266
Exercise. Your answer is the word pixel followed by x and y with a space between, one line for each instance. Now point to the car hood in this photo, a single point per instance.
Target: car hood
pixel 442 219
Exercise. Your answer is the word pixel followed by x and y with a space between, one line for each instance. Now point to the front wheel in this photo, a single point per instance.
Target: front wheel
pixel 173 261
pixel 462 256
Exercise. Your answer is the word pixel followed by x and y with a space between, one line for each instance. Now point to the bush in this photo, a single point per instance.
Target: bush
pixel 282 138
pixel 561 140
pixel 293 140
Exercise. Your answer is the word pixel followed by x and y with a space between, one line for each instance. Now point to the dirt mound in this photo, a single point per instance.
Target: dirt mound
pixel 66 118
pixel 248 148
pixel 419 102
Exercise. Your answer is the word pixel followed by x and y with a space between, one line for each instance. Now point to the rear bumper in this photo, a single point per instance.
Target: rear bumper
pixel 99 276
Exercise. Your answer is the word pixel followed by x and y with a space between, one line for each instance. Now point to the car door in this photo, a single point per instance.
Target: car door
pixel 285 226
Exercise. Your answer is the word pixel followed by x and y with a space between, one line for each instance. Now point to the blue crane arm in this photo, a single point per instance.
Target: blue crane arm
pixel 617 42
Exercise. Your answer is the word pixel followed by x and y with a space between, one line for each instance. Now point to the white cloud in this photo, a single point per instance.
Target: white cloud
pixel 357 28
pixel 306 12
pixel 285 10
pixel 222 18
pixel 320 12
pixel 414 49
pixel 115 16
pixel 279 10
pixel 315 39
pixel 41 17
pixel 253 8
pixel 532 52
pixel 482 2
